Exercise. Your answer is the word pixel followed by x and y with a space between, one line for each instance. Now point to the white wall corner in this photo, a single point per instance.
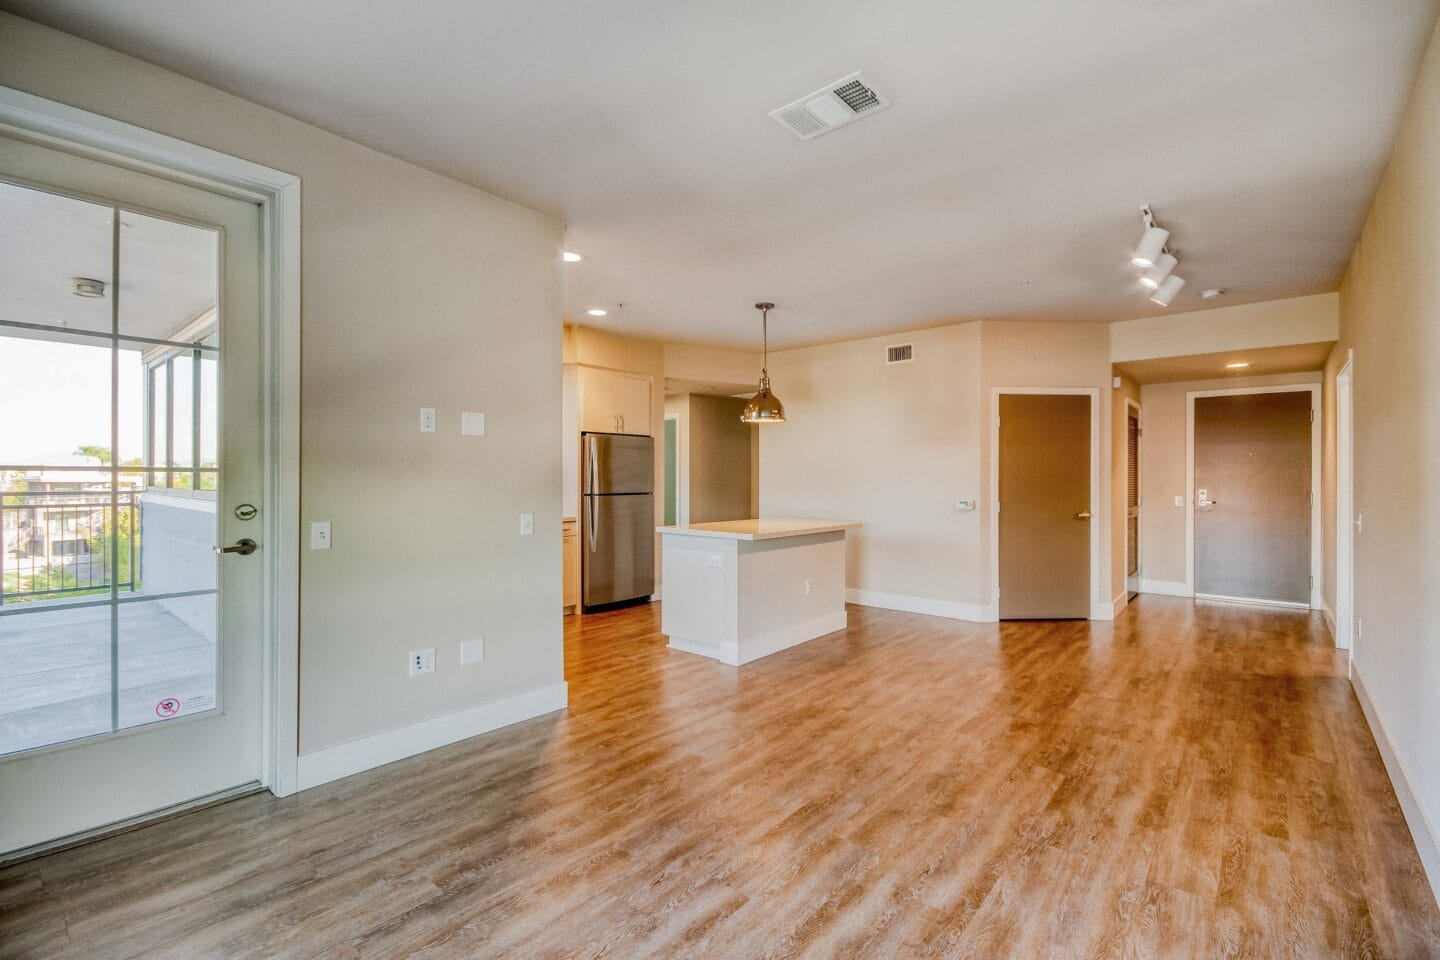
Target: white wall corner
pixel 950 609
pixel 1165 588
pixel 1422 831
pixel 367 753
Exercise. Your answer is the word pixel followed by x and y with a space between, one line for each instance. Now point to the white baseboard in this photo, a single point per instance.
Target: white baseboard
pixel 1121 601
pixel 1422 831
pixel 1165 588
pixel 952 609
pixel 755 648
pixel 355 756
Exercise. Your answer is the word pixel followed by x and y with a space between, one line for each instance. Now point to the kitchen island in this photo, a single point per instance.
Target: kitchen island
pixel 739 590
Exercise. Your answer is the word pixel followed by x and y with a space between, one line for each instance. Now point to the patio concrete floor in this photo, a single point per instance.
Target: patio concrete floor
pixel 55 671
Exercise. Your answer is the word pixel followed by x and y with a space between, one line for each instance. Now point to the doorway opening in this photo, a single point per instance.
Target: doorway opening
pixel 1345 520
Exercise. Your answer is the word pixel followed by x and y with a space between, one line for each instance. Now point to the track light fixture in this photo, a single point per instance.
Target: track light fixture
pixel 1152 242
pixel 1167 290
pixel 1156 275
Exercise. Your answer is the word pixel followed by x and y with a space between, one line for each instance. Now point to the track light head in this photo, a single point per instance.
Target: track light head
pixel 1156 275
pixel 1152 245
pixel 1167 291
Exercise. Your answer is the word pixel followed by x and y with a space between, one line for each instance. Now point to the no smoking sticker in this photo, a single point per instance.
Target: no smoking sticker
pixel 167 708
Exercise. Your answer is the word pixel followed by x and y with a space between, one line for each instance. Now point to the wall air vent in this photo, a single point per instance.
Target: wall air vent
pixel 900 353
pixel 832 106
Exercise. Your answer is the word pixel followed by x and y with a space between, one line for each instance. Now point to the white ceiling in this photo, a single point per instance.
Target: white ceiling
pixel 1024 136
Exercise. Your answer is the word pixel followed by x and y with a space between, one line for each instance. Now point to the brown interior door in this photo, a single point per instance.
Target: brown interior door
pixel 1044 507
pixel 1252 525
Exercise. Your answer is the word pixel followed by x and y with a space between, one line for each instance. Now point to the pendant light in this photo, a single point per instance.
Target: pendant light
pixel 764 407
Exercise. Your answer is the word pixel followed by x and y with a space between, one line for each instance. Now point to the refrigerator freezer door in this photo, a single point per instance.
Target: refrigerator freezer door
pixel 619 548
pixel 618 464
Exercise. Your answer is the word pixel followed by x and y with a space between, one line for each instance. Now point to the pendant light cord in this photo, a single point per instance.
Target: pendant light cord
pixel 765 344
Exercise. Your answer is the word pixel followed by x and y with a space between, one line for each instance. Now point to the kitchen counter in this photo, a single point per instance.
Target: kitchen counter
pixel 764 529
pixel 739 590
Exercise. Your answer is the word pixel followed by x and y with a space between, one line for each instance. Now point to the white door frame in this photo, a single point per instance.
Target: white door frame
pixel 36 120
pixel 1344 613
pixel 1317 548
pixel 1101 607
pixel 1132 585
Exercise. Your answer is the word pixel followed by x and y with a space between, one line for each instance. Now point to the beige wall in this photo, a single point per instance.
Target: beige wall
pixel 1272 323
pixel 1390 316
pixel 892 447
pixel 426 543
pixel 1162 472
pixel 719 470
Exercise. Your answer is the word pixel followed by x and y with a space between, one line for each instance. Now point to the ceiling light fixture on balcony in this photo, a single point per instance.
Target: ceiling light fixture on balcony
pixel 764 407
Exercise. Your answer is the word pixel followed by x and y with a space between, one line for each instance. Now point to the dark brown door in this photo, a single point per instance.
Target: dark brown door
pixel 1252 496
pixel 1044 507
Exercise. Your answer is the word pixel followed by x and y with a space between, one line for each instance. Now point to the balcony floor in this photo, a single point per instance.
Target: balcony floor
pixel 55 671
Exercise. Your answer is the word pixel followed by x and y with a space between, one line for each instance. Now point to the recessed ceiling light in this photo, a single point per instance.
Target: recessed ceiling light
pixel 571 257
pixel 1238 365
pixel 1212 293
pixel 597 312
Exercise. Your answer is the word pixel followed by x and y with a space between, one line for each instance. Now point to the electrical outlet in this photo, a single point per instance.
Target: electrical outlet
pixel 808 585
pixel 715 561
pixel 472 651
pixel 427 419
pixel 422 661
pixel 527 524
pixel 1359 627
pixel 320 535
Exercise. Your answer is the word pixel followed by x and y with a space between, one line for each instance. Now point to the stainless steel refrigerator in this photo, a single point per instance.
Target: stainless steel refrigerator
pixel 617 518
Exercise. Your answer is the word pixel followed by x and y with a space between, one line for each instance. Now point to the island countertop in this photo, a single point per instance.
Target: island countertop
pixel 766 528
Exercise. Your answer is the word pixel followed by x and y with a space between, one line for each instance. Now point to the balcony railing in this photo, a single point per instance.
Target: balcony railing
pixel 60 543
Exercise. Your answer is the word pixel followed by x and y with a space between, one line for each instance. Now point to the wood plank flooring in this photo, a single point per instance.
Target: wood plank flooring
pixel 1191 781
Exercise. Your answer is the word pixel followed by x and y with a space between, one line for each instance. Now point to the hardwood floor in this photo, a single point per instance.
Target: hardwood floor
pixel 1191 781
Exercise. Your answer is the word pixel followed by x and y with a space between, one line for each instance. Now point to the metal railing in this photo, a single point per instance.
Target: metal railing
pixel 60 543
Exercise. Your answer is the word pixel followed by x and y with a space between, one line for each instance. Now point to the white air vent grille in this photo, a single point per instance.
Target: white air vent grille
pixel 832 106
pixel 900 353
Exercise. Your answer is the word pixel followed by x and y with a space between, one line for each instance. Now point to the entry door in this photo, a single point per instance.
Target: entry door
pixel 1252 496
pixel 1132 500
pixel 1044 507
pixel 130 448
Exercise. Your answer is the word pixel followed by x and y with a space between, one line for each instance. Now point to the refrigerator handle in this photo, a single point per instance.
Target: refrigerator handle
pixel 594 477
pixel 590 520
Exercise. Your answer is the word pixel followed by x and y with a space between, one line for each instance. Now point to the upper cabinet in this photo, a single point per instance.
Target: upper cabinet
pixel 613 402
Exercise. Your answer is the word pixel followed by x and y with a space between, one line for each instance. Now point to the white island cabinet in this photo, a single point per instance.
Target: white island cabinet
pixel 740 590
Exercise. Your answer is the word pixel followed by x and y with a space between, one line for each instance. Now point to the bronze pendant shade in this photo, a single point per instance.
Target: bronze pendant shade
pixel 764 407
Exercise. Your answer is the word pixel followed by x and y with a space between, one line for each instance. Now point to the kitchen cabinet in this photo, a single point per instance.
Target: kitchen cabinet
pixel 613 402
pixel 570 553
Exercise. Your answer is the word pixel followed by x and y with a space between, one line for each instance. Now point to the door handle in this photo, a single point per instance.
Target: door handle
pixel 590 520
pixel 243 547
pixel 1083 515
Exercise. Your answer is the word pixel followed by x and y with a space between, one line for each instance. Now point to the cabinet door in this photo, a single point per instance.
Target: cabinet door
pixel 600 400
pixel 635 406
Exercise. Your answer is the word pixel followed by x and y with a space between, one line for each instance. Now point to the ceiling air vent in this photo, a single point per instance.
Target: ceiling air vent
pixel 900 353
pixel 834 105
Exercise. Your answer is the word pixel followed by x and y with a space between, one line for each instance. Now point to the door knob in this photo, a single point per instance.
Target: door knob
pixel 243 547
pixel 1083 515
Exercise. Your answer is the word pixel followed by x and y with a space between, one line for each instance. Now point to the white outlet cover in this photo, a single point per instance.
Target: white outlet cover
pixel 472 424
pixel 472 651
pixel 427 419
pixel 527 524
pixel 422 661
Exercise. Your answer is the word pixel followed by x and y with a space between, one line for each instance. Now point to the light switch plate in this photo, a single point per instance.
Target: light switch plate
pixel 472 424
pixel 320 535
pixel 427 419
pixel 527 524
pixel 472 651
pixel 1180 501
